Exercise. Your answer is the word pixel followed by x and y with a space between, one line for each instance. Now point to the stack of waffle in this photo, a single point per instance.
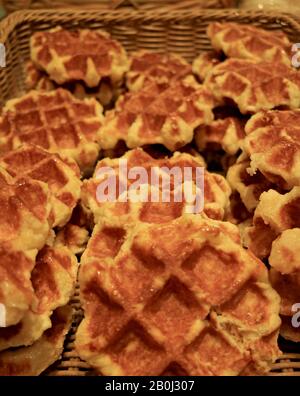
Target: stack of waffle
pixel 39 191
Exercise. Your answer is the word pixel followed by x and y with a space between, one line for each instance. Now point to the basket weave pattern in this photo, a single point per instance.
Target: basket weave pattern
pixel 15 5
pixel 182 32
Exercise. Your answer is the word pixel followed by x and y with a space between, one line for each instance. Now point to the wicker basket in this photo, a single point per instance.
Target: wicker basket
pixel 182 32
pixel 15 5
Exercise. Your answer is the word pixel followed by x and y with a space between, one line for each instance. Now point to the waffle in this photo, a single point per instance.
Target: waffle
pixel 200 306
pixel 265 350
pixel 273 145
pixel 36 358
pixel 254 86
pixel 158 114
pixel 225 134
pixel 53 281
pixel 204 63
pixel 55 121
pixel 285 253
pixel 216 190
pixel 249 42
pixel 238 213
pixel 285 278
pixel 62 177
pixel 147 67
pixel 53 278
pixel 25 216
pixel 248 186
pixel 274 214
pixel 75 234
pixel 16 291
pixel 82 55
pixel 288 287
pixel 37 79
pixel 73 237
pixel 288 331
pixel 104 92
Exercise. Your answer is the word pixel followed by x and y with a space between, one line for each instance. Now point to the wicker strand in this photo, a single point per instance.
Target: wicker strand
pixel 147 17
pixel 15 5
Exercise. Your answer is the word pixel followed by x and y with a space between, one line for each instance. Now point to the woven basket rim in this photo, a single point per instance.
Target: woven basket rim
pixel 12 20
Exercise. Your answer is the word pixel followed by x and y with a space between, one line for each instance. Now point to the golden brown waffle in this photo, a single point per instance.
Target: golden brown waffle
pixel 199 307
pixel 53 281
pixel 288 287
pixel 225 134
pixel 55 121
pixel 37 79
pixel 238 213
pixel 204 63
pixel 74 237
pixel 285 253
pixel 216 190
pixel 104 92
pixel 75 234
pixel 147 66
pixel 158 114
pixel 82 55
pixel 285 277
pixel 16 291
pixel 255 86
pixel 273 145
pixel 62 177
pixel 25 215
pixel 274 214
pixel 248 186
pixel 53 278
pixel 250 42
pixel 288 331
pixel 36 358
pixel 264 350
